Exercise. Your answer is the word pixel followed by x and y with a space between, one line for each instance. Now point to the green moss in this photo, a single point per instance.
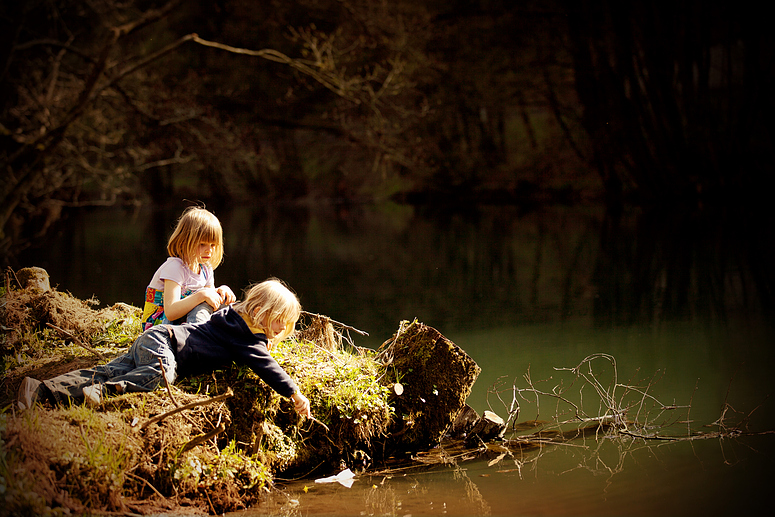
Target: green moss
pixel 230 469
pixel 344 388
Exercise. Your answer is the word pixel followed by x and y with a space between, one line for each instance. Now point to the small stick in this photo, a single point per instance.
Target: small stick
pixel 348 327
pixel 166 382
pixel 147 483
pixel 76 340
pixel 187 406
pixel 9 272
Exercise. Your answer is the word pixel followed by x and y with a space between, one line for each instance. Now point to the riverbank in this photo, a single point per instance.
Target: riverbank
pixel 211 443
pixel 208 444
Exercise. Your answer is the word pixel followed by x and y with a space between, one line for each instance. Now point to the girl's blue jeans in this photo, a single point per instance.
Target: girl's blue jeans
pixel 136 370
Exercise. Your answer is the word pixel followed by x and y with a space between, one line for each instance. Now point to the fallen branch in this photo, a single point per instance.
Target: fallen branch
pixel 614 401
pixel 178 409
pixel 77 341
pixel 203 438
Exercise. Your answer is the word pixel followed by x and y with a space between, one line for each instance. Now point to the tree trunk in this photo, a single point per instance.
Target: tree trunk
pixel 437 377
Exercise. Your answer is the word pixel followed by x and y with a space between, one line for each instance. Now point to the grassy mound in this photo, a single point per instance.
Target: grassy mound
pixel 47 333
pixel 209 444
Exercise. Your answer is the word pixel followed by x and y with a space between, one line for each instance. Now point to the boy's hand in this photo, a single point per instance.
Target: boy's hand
pixel 301 404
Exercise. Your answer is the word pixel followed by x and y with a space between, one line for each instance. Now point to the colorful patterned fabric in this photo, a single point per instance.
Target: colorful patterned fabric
pixel 153 310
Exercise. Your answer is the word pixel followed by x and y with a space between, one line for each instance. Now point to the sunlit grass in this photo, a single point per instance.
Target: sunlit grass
pixel 340 384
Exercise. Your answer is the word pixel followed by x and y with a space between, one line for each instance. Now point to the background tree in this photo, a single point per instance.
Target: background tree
pixel 233 100
pixel 72 96
pixel 677 98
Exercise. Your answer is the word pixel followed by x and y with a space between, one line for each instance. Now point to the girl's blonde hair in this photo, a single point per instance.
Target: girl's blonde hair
pixel 195 226
pixel 270 301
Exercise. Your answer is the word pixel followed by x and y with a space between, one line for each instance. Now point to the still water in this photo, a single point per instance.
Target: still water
pixel 682 302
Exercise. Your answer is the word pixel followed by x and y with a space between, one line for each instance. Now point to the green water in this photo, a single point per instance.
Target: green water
pixel 724 361
pixel 689 365
pixel 615 480
pixel 681 302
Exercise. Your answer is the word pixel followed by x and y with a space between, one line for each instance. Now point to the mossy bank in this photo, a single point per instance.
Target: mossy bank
pixel 207 444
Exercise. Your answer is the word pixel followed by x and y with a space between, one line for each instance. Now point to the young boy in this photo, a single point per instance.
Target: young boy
pixel 243 333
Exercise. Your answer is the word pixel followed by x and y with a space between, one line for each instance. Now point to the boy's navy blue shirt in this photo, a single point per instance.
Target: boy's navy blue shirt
pixel 223 339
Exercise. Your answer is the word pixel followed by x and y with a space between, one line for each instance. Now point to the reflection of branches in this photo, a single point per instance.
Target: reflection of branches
pixel 615 402
pixel 629 415
pixel 450 456
pixel 628 418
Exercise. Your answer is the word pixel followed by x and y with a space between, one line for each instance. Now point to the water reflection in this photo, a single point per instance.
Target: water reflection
pixel 374 266
pixel 657 266
pixel 613 477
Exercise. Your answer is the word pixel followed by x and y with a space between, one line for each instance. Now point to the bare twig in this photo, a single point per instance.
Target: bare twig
pixel 319 422
pixel 203 438
pixel 77 341
pixel 8 272
pixel 348 327
pixel 190 405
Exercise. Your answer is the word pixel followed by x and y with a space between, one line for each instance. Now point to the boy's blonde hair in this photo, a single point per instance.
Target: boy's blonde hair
pixel 195 226
pixel 270 301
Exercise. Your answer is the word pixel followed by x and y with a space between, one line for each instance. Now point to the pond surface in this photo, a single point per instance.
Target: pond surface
pixel 681 302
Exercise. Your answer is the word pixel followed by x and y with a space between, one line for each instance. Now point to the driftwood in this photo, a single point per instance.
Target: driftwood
pixel 488 427
pixel 464 422
pixel 469 426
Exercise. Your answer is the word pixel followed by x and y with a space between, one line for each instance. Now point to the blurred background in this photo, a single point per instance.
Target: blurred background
pixel 539 181
pixel 345 102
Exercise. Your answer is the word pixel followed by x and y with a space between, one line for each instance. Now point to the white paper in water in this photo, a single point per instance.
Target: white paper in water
pixel 345 478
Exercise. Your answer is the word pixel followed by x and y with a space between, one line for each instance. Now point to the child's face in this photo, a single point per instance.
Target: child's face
pixel 205 251
pixel 277 328
pixel 273 330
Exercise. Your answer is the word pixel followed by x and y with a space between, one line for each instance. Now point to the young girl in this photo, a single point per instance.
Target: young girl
pixel 243 333
pixel 183 288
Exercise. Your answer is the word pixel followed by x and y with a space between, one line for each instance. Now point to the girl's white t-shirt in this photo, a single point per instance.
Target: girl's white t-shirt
pixel 176 270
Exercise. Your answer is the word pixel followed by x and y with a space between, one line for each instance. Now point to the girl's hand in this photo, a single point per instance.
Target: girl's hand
pixel 211 296
pixel 301 404
pixel 226 294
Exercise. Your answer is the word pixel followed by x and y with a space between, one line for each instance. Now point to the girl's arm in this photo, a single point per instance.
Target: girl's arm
pixel 175 308
pixel 224 291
